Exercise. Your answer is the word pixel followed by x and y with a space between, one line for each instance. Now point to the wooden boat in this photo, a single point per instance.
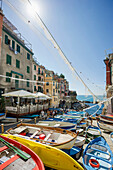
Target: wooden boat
pixel 14 155
pixel 59 124
pixel 75 152
pixel 2 116
pixel 80 141
pixel 111 136
pixel 50 156
pixel 56 137
pixel 105 126
pixel 97 155
pixel 9 120
pixel 106 119
pixel 93 132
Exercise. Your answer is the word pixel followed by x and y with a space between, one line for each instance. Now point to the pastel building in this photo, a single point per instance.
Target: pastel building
pixel 51 88
pixel 15 58
pixel 38 72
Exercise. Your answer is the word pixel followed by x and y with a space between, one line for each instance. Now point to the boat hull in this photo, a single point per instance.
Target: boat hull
pixel 65 139
pixel 15 161
pixel 105 126
pixel 50 156
pixel 98 151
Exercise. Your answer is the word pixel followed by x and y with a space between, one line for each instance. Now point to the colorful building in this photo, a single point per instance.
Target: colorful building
pixel 51 88
pixel 15 58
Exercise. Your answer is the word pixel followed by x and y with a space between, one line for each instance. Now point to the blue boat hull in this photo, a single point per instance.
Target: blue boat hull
pixel 98 150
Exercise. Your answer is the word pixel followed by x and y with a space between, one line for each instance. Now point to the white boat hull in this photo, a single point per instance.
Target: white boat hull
pixel 79 141
pixel 106 126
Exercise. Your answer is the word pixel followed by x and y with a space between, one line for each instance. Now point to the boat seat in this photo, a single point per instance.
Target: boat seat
pixel 48 136
pixel 107 154
pixel 99 147
pixel 35 133
pixel 18 130
pixel 97 157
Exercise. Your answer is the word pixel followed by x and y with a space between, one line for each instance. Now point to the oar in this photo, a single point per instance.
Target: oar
pixel 22 154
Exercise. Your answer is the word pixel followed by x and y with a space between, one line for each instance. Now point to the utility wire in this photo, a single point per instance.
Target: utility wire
pixel 52 39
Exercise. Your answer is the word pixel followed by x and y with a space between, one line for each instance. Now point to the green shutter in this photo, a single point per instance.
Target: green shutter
pixel 34 77
pixel 28 69
pixel 17 64
pixel 13 44
pixel 34 67
pixel 8 59
pixel 27 83
pixel 9 75
pixel 28 56
pixel 18 48
pixel 34 88
pixel 6 39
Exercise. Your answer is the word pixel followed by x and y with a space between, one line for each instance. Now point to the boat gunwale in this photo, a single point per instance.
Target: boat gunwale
pixel 74 135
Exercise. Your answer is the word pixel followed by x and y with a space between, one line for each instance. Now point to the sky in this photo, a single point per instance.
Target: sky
pixel 82 28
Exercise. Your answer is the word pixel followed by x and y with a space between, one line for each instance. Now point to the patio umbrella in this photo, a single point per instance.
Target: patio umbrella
pixel 19 93
pixel 42 96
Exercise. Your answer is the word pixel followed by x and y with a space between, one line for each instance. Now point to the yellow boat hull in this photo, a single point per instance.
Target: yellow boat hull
pixel 50 156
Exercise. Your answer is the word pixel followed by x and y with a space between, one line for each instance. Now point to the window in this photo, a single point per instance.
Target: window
pixel 8 59
pixel 56 91
pixel 13 44
pixel 42 72
pixel 39 78
pixel 34 67
pixel 47 84
pixel 53 83
pixel 47 90
pixel 28 69
pixel 18 48
pixel 34 77
pixel 9 75
pixel 27 83
pixel 53 92
pixel 34 88
pixel 6 39
pixel 28 56
pixel 39 89
pixel 17 64
pixel 16 82
pixel 38 70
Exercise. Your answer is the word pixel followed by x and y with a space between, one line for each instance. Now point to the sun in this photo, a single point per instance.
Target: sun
pixel 34 7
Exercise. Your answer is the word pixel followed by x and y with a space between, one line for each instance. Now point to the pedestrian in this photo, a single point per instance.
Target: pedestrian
pixel 42 114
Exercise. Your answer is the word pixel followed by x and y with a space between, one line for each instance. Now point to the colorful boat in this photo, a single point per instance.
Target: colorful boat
pixel 106 119
pixel 59 124
pixel 98 155
pixel 56 137
pixel 50 156
pixel 93 132
pixel 75 152
pixel 80 141
pixel 14 155
pixel 105 126
pixel 2 116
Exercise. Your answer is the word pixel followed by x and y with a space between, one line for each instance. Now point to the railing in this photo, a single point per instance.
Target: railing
pixel 26 109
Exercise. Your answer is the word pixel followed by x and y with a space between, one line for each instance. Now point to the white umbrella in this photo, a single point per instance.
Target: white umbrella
pixel 42 96
pixel 19 93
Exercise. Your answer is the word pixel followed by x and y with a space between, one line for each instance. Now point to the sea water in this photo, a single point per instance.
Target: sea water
pixel 96 109
pixel 89 98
